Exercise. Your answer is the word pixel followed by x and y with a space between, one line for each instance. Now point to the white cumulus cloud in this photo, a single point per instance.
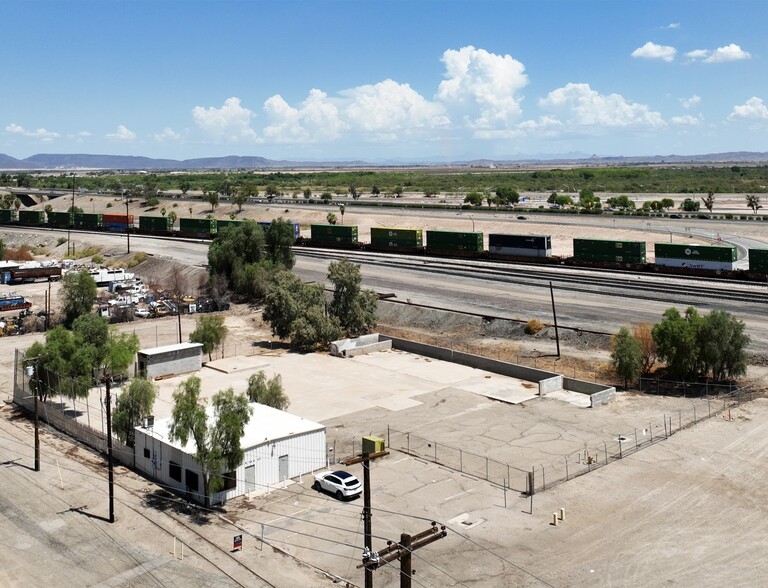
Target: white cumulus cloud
pixel 685 120
pixel 230 124
pixel 672 25
pixel 316 119
pixel 41 134
pixel 754 109
pixel 690 102
pixel 168 134
pixel 390 107
pixel 653 51
pixel 582 106
pixel 483 87
pixel 122 134
pixel 724 54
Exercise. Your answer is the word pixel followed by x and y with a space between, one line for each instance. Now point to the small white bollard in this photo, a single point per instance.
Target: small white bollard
pixel 554 519
pixel 562 514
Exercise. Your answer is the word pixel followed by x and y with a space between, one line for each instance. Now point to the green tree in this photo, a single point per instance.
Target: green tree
pixel 375 190
pixel 563 200
pixel 307 193
pixel 354 192
pixel 132 406
pixel 184 186
pixel 279 243
pixel 239 245
pixel 239 198
pixel 326 197
pixel 397 191
pixel 753 201
pixel 217 442
pixel 667 203
pixel 709 201
pixel 690 205
pixel 507 195
pixel 269 392
pixel 627 356
pixel 211 332
pixel 150 202
pixel 588 200
pixel 622 202
pixel 474 199
pixel 271 191
pixel 355 308
pixel 676 338
pixel 722 345
pixel 212 198
pixel 78 289
pixel 330 218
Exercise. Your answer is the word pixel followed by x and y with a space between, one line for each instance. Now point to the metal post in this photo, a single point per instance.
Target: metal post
pixel 127 226
pixel 406 570
pixel 367 532
pixel 37 428
pixel 566 468
pixel 109 455
pixel 554 316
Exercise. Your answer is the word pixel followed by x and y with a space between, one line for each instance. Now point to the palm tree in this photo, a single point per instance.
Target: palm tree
pixel 753 201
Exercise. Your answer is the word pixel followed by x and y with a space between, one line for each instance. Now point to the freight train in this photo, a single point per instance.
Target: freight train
pixel 680 258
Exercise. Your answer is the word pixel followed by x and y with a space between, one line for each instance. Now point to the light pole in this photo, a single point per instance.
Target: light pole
pixel 72 212
pixel 127 224
pixel 31 372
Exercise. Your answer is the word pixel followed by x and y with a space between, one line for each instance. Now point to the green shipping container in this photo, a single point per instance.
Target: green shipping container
pixel 334 233
pixel 454 241
pixel 88 220
pixel 155 224
pixel 609 250
pixel 8 215
pixel 33 218
pixel 61 219
pixel 758 260
pixel 397 238
pixel 197 226
pixel 690 251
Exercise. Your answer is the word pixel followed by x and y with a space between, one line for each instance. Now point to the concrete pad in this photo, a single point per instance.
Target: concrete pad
pixel 512 396
pixel 238 364
pixel 397 403
pixel 574 398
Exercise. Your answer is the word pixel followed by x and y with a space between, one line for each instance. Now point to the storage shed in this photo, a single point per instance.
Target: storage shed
pixel 277 446
pixel 180 358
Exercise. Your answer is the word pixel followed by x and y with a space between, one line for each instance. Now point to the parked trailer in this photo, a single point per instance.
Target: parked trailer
pixel 462 244
pixel 609 250
pixel 520 245
pixel 117 223
pixel 31 274
pixel 296 227
pixel 397 239
pixel 334 234
pixel 758 261
pixel 691 255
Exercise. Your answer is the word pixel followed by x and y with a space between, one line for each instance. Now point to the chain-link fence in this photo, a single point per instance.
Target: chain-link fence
pixel 684 389
pixel 595 455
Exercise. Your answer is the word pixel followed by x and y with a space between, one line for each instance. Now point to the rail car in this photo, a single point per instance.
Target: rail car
pixel 675 258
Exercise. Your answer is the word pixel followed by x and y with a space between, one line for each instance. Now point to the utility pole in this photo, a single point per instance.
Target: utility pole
pixel 554 314
pixel 404 550
pixel 72 212
pixel 127 224
pixel 108 400
pixel 365 459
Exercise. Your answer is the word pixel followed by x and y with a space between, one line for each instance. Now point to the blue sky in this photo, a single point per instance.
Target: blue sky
pixel 383 81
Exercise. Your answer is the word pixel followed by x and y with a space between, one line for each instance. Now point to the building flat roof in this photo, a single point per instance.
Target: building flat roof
pixel 168 348
pixel 267 424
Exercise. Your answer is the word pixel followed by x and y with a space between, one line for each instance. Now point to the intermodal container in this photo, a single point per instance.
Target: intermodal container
pixel 87 220
pixel 758 260
pixel 334 234
pixel 155 224
pixel 61 219
pixel 296 228
pixel 117 219
pixel 520 245
pixel 197 227
pixel 396 238
pixel 688 251
pixel 454 242
pixel 609 250
pixel 8 215
pixel 34 218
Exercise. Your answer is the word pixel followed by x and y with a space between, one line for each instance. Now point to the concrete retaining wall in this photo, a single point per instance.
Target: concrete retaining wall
pixel 360 345
pixel 598 393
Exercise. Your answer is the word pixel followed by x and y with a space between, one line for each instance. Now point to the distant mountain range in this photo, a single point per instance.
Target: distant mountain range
pixel 53 161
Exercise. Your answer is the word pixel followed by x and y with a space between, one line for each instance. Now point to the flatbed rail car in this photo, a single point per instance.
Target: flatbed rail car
pixel 32 274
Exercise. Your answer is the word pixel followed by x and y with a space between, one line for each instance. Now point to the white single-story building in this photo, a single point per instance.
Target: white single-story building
pixel 277 446
pixel 180 358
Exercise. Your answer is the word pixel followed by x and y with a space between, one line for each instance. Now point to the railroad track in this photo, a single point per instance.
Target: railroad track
pixel 623 284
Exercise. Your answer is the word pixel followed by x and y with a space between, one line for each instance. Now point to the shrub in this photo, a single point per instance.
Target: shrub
pixel 137 259
pixel 98 259
pixel 533 326
pixel 61 241
pixel 109 205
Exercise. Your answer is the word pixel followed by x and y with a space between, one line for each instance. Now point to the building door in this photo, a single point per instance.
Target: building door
pixel 283 467
pixel 250 478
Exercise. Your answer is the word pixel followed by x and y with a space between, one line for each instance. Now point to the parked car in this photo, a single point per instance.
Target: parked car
pixel 339 483
pixel 522 218
pixel 141 312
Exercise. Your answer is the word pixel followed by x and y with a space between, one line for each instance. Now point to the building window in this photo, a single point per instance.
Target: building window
pixel 174 470
pixel 230 480
pixel 192 481
pixel 146 453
